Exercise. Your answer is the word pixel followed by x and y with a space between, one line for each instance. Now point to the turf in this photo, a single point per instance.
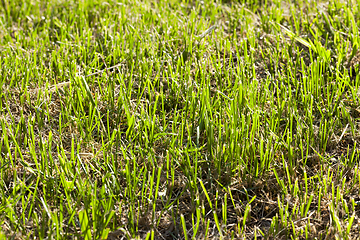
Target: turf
pixel 179 119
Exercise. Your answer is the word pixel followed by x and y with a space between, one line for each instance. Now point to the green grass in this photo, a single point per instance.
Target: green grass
pixel 179 119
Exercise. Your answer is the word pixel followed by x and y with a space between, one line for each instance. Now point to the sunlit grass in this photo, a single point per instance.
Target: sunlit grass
pixel 179 119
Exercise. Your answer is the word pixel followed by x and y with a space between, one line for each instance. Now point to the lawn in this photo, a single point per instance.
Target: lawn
pixel 129 119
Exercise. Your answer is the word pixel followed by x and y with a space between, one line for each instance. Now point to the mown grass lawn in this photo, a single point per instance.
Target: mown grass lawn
pixel 127 119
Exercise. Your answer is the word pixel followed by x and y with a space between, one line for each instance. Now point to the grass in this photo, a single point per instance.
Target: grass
pixel 179 119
